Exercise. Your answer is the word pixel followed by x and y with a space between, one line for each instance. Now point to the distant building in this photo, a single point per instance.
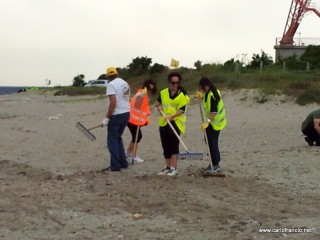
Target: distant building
pixel 297 48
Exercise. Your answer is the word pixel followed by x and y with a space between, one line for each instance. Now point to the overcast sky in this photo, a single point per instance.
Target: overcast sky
pixel 59 39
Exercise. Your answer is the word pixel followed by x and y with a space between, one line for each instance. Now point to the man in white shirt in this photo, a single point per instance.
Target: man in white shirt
pixel 116 119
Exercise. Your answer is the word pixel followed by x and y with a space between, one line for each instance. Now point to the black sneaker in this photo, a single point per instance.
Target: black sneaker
pixel 318 144
pixel 164 171
pixel 309 141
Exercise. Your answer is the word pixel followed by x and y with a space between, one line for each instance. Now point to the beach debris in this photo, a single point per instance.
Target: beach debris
pixel 25 99
pixel 55 117
pixel 206 174
pixel 202 172
pixel 137 216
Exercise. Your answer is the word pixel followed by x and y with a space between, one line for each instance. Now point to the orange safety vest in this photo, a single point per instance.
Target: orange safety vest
pixel 139 116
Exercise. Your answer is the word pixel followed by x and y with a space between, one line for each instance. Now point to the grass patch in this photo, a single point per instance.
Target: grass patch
pixel 309 96
pixel 79 91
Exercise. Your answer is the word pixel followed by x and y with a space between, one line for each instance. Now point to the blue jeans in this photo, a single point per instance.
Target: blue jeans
pixel 116 127
pixel 213 139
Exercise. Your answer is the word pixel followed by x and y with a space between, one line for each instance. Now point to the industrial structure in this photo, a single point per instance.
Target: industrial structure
pixel 288 45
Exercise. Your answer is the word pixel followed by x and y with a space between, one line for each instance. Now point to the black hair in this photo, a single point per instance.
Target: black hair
pixel 147 84
pixel 174 74
pixel 178 75
pixel 204 82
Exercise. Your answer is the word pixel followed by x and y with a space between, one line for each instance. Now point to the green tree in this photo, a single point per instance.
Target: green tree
pixel 103 77
pixel 292 63
pixel 198 65
pixel 312 55
pixel 78 81
pixel 140 65
pixel 157 68
pixel 229 65
pixel 256 59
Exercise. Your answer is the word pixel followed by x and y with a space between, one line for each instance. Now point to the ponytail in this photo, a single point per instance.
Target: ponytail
pixel 204 82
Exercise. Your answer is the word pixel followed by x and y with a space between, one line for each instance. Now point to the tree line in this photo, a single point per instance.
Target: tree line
pixel 143 65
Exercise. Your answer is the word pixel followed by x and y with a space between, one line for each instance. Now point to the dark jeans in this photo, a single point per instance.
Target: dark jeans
pixel 116 127
pixel 169 141
pixel 311 133
pixel 213 138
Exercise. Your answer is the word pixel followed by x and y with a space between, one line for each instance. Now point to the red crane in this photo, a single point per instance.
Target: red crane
pixel 297 10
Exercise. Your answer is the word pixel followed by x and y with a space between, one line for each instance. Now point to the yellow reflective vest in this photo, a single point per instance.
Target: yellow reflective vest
pixel 219 121
pixel 171 106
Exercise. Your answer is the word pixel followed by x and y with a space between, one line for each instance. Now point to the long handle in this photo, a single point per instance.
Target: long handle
pixel 206 136
pixel 175 132
pixel 201 113
pixel 100 125
pixel 135 143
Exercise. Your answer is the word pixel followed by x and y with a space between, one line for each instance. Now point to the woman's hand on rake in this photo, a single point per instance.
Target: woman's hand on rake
pixel 204 126
pixel 198 95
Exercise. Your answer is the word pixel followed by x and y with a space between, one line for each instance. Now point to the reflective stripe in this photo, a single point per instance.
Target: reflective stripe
pixel 218 121
pixel 168 106
pixel 139 111
pixel 141 120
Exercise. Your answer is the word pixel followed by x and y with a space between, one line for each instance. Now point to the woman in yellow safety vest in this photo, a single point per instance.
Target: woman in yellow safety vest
pixel 216 119
pixel 139 116
pixel 172 101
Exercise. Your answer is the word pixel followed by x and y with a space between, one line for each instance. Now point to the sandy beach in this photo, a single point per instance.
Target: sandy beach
pixel 51 186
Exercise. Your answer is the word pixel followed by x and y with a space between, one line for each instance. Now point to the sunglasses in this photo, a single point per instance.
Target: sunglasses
pixel 174 83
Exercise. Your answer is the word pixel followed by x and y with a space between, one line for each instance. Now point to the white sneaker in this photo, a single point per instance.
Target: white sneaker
pixel 173 172
pixel 138 160
pixel 129 158
pixel 164 171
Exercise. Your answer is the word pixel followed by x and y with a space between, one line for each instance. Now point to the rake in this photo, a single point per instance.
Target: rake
pixel 86 131
pixel 205 135
pixel 187 155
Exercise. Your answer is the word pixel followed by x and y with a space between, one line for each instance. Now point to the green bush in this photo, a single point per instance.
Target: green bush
pixel 295 88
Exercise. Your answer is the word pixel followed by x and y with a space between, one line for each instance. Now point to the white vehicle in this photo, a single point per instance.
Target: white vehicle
pixel 97 83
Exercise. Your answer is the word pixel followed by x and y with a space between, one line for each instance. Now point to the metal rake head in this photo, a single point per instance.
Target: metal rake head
pixel 85 131
pixel 190 156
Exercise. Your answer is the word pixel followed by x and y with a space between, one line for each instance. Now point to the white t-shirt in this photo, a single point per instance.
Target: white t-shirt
pixel 121 89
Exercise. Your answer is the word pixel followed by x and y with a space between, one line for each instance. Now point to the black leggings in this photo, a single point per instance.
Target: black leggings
pixel 133 131
pixel 169 141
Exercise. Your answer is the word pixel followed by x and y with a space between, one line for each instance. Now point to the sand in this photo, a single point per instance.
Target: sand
pixel 51 187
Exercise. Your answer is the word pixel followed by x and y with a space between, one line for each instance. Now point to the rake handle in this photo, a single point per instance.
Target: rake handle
pixel 205 135
pixel 100 125
pixel 135 143
pixel 175 132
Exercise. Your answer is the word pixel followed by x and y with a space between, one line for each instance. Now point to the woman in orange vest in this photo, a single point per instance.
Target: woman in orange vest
pixel 139 116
